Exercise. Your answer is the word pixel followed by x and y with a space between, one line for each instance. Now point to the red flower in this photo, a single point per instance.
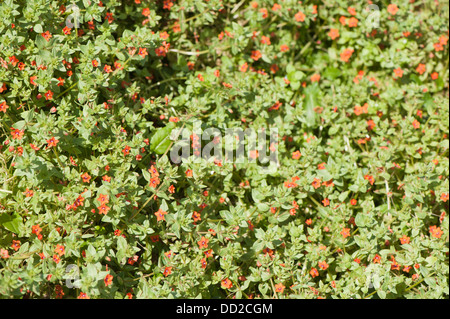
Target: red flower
pixel 109 17
pixel 264 12
pixel 3 107
pixel 316 183
pixel 256 55
pixel 377 259
pixel 203 242
pixel 36 229
pixel 444 197
pixel 108 280
pixel 17 134
pixel 167 4
pixel 196 216
pixel 85 177
pixel 296 155
pixel 60 250
pixel 160 215
pixel 279 288
pixel 315 77
pixel 162 50
pixel 126 150
pixel 56 259
pixel 345 232
pixel 346 54
pixel 358 110
pixel 154 181
pixel 323 265
pixel 107 68
pixel 103 199
pixel 314 272
pixel 167 271
pixel 333 34
pixel 203 263
pixel 404 240
pixel 143 52
pixel 352 22
pixel 164 35
pixel 394 264
pixel 243 68
pixel 46 35
pixel 284 48
pixel 421 68
pixel 370 179
pixel 103 209
pixel 398 72
pixel 133 260
pixel 392 9
pixel 15 245
pixel 436 232
pixel 265 40
pixel 83 295
pixel 209 253
pixel 4 253
pixel 226 283
pixel 48 95
pixel 52 142
pixel 299 16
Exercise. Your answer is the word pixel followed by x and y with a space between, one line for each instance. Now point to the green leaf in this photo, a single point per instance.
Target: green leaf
pixel 298 75
pixel 121 248
pixel 415 78
pixel 160 141
pixel 440 84
pixel 295 85
pixel 262 207
pixel 343 196
pixel 381 294
pixel 11 222
pixel 38 28
pixel 311 101
pixel 332 73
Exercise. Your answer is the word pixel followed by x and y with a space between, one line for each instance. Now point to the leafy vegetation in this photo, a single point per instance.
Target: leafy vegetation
pixel 91 205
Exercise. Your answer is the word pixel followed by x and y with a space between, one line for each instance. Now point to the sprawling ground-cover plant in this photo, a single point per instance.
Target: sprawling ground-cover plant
pixel 91 205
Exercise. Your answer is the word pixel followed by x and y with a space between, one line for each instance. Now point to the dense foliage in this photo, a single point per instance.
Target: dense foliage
pixel 91 205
